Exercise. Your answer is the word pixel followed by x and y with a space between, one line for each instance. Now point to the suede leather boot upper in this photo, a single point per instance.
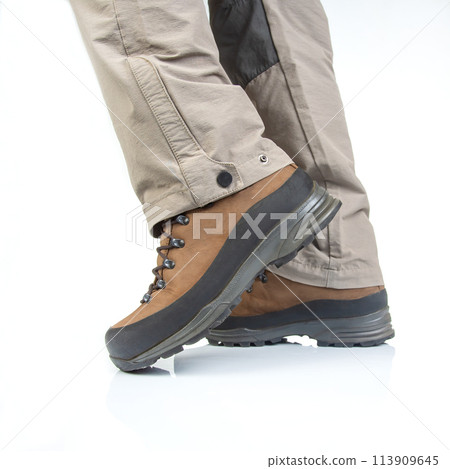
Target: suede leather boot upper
pixel 209 256
pixel 276 307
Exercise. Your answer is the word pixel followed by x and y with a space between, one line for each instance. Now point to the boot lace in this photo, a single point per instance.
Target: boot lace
pixel 264 279
pixel 174 243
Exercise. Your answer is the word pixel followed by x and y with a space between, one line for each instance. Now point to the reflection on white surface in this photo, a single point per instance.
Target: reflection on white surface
pixel 239 389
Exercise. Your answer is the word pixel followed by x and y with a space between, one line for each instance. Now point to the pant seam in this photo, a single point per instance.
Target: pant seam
pixel 322 267
pixel 183 122
pixel 161 125
pixel 121 33
pixel 122 36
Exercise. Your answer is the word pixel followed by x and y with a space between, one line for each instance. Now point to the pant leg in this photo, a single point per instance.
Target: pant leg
pixel 179 119
pixel 293 87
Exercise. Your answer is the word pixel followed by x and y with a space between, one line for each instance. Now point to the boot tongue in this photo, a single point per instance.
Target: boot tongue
pixel 164 239
pixel 167 228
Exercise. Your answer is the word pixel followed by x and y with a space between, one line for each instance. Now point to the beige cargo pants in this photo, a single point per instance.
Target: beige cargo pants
pixel 190 100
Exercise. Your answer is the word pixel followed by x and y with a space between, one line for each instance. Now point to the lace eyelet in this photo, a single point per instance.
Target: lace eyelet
pixel 182 220
pixel 169 264
pixel 161 284
pixel 146 298
pixel 177 243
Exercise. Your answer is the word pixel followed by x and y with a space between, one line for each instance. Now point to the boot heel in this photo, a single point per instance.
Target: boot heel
pixel 364 331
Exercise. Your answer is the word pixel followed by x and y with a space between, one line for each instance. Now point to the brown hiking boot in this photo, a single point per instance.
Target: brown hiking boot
pixel 209 256
pixel 275 307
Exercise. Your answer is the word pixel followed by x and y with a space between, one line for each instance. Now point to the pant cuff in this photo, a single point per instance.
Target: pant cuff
pixel 249 172
pixel 323 276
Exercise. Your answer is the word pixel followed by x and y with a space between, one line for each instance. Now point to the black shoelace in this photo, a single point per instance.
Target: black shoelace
pixel 174 243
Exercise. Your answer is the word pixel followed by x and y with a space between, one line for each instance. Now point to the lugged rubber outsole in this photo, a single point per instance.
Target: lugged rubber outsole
pixel 362 331
pixel 321 205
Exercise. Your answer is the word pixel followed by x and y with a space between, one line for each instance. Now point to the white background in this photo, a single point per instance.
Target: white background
pixel 68 271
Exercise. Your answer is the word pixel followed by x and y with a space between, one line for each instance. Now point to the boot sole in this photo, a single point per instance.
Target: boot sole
pixel 322 206
pixel 363 331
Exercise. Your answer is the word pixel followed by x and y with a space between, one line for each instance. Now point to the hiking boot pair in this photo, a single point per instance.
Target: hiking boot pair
pixel 210 256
